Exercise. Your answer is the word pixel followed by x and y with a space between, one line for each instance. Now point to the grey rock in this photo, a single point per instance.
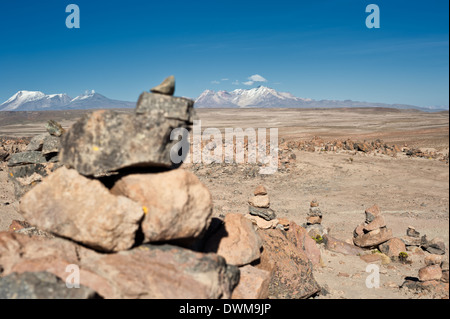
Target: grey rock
pixel 40 285
pixel 106 141
pixel 26 158
pixel 266 213
pixel 167 87
pixel 435 246
pixel 315 212
pixel 37 142
pixel 33 231
pixel 51 145
pixel 412 232
pixel 169 107
pixel 54 128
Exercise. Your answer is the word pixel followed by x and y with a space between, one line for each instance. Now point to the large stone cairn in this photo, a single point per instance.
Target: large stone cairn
pixel 38 160
pixel 373 231
pixel 121 211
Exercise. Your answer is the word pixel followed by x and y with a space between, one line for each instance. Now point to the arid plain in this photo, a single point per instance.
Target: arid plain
pixel 411 191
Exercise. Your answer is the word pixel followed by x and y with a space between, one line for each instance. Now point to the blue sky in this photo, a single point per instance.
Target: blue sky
pixel 317 49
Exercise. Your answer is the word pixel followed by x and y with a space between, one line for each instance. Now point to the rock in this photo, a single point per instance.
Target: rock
pixel 145 272
pixel 411 241
pixel 36 143
pixel 18 225
pixel 377 223
pixel 51 145
pixel 260 201
pixel 371 258
pixel 312 220
pixel 314 203
pixel 262 223
pixel 166 107
pixel 26 158
pixel 236 241
pixel 300 238
pixel 372 213
pixel 33 232
pixel 362 147
pixel 54 128
pixel 359 230
pixel 315 212
pixel 340 246
pixel 266 213
pixel 284 222
pixel 177 204
pixel 433 260
pixel 25 177
pixel 373 238
pixel 392 247
pixel 411 231
pixel 253 284
pixel 316 230
pixel 437 288
pixel 72 206
pixel 292 271
pixel 167 87
pixel 435 246
pixel 433 272
pixel 40 285
pixel 3 154
pixel 445 265
pixel 260 190
pixel 107 141
pixel 444 277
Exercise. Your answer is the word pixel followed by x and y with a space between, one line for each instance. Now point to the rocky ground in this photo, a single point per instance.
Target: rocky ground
pixel 409 182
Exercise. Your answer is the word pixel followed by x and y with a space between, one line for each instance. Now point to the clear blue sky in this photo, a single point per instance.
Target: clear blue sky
pixel 318 49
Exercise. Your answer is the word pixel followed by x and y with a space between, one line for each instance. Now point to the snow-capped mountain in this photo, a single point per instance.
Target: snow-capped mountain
pixel 264 97
pixel 38 101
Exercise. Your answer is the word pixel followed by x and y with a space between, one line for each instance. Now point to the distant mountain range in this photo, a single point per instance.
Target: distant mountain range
pixel 260 97
pixel 264 97
pixel 38 101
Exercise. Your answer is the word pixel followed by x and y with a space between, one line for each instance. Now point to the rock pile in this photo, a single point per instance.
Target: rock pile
pixel 259 204
pixel 121 212
pixel 38 160
pixel 314 221
pixel 373 231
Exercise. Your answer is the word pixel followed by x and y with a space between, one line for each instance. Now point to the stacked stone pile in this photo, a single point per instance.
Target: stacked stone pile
pixel 373 231
pixel 259 204
pixel 37 160
pixel 122 233
pixel 314 221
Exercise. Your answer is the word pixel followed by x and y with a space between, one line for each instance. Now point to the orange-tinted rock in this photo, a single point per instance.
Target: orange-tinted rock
pixel 433 272
pixel 373 238
pixel 393 247
pixel 340 246
pixel 377 223
pixel 253 284
pixel 260 190
pixel 300 238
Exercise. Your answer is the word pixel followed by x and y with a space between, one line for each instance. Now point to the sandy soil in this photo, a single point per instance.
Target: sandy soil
pixel 410 191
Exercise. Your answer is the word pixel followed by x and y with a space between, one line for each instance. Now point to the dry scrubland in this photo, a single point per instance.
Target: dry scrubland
pixel 409 190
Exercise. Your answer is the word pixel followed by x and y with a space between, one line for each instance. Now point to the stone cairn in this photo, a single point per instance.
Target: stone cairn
pixel 40 158
pixel 137 226
pixel 117 195
pixel 259 204
pixel 314 221
pixel 373 232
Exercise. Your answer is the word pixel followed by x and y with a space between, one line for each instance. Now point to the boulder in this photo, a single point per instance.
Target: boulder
pixel 72 206
pixel 145 272
pixel 236 241
pixel 37 142
pixel 41 285
pixel 164 107
pixel 292 271
pixel 392 247
pixel 253 284
pixel 433 272
pixel 433 260
pixel 107 141
pixel 374 238
pixel 340 246
pixel 177 205
pixel 51 144
pixel 435 246
pixel 300 238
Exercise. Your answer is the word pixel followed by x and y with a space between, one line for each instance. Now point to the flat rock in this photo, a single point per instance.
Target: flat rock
pixel 145 272
pixel 72 206
pixel 236 241
pixel 40 285
pixel 37 142
pixel 26 158
pixel 292 271
pixel 259 201
pixel 177 204
pixel 166 107
pixel 253 283
pixel 107 141
pixel 376 223
pixel 167 87
pixel 339 246
pixel 313 220
pixel 266 213
pixel 261 222
pixel 435 246
pixel 374 238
